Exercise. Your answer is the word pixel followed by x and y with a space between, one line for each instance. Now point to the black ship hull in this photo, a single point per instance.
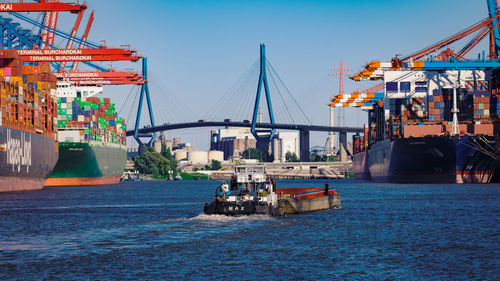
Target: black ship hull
pixel 434 159
pixel 236 208
pixel 360 166
pixel 26 159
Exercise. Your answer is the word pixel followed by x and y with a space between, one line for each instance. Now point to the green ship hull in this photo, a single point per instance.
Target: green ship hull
pixel 87 164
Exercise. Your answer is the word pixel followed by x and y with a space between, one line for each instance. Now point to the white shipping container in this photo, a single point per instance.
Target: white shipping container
pixel 81 118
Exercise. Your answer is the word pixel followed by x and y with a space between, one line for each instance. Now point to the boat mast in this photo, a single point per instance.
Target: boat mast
pixel 455 109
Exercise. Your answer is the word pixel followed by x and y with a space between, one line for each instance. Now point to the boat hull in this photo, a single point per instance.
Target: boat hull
pixel 26 159
pixel 219 207
pixel 81 164
pixel 360 166
pixel 436 159
pixel 298 205
pixel 314 199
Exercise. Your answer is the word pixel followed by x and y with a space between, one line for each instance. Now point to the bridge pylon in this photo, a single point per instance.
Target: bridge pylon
pixel 144 92
pixel 263 137
pixel 268 134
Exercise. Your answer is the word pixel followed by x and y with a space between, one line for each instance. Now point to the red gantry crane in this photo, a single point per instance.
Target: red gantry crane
pixel 86 52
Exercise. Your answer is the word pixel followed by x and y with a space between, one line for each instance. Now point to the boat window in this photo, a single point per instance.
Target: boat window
pixel 404 86
pixel 391 86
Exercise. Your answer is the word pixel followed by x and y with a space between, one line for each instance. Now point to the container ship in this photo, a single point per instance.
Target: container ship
pixel 436 118
pixel 432 127
pixel 92 141
pixel 28 116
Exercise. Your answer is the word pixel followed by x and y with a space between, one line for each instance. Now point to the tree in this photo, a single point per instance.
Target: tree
pixel 291 157
pixel 165 152
pixel 332 158
pixel 314 157
pixel 152 162
pixel 215 165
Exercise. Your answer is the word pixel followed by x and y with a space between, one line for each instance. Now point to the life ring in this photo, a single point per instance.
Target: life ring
pixel 246 197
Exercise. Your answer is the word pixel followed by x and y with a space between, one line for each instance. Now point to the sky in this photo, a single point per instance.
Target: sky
pixel 197 50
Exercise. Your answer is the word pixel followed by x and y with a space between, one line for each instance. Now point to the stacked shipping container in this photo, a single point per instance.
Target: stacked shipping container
pixel 94 118
pixel 27 96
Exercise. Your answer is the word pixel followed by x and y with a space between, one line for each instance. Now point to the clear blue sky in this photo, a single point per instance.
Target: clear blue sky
pixel 198 49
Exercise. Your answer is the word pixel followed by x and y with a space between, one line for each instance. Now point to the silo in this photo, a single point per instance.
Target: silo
pixel 157 145
pixel 216 155
pixel 180 154
pixel 198 157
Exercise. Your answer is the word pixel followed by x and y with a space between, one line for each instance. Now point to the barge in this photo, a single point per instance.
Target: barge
pixel 251 192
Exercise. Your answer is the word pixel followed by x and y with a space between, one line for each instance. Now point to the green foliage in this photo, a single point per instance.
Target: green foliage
pixel 254 153
pixel 215 165
pixel 152 162
pixel 332 158
pixel 314 157
pixel 174 164
pixel 291 157
pixel 194 176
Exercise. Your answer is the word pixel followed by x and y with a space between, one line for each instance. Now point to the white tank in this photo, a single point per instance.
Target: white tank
pixel 198 157
pixel 180 154
pixel 216 155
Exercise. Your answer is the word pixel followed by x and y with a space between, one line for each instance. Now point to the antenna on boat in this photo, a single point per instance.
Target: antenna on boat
pixel 455 109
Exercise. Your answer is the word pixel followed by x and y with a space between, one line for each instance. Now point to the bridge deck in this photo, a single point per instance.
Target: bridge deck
pixel 298 127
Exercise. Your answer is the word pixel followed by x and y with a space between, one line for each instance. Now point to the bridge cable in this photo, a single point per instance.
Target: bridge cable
pixel 248 94
pixel 236 90
pixel 238 84
pixel 295 101
pixel 281 96
pixel 174 103
pixel 128 96
pixel 132 107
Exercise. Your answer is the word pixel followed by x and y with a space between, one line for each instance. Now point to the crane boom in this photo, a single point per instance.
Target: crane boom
pixel 493 13
pixel 73 34
pixel 84 38
pixel 42 6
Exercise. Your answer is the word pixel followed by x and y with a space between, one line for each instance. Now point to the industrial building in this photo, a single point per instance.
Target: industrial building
pixel 234 141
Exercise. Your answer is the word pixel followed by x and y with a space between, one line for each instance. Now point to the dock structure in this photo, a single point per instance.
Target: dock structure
pixel 295 170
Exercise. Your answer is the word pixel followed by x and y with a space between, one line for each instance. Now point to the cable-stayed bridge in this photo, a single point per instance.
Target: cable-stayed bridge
pixel 281 111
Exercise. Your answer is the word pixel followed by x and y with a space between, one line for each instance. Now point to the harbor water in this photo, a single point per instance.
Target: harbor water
pixel 156 230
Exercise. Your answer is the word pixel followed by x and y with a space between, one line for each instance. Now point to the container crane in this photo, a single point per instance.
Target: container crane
pixel 86 52
pixel 42 6
pixel 447 59
pixel 48 53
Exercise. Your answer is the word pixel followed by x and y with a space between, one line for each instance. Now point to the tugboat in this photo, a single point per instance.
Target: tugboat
pixel 252 192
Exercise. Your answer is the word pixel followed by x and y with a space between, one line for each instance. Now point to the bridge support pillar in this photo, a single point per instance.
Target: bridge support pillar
pixel 343 146
pixel 304 145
